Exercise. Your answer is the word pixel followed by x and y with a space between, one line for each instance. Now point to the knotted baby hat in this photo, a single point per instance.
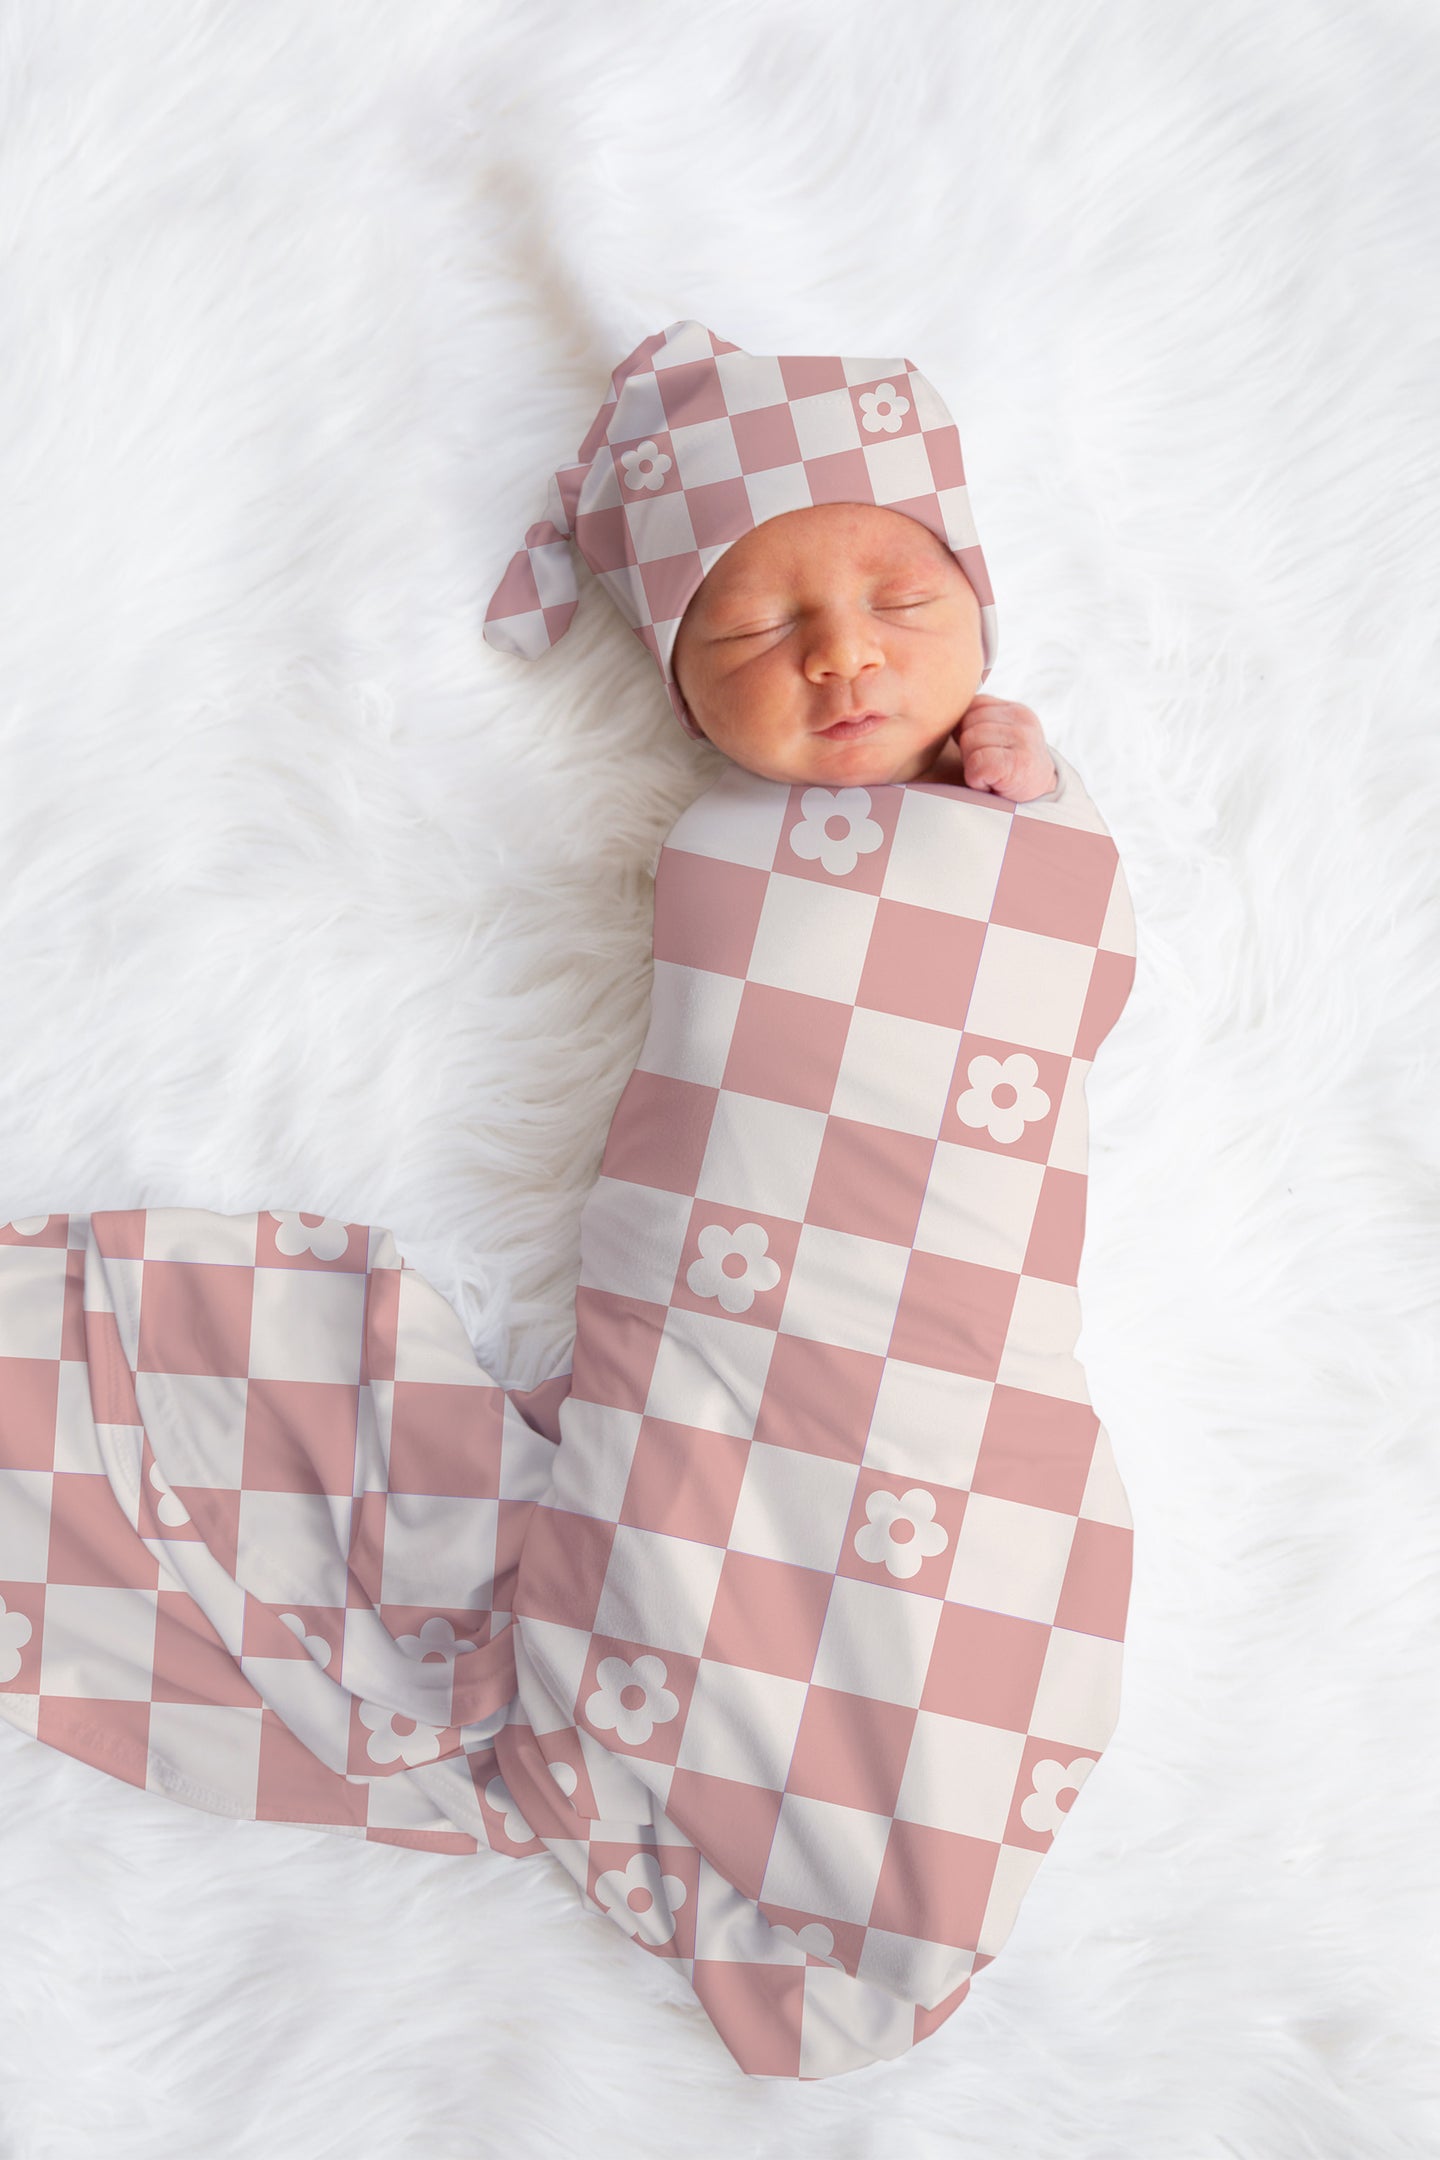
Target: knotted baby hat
pixel 695 445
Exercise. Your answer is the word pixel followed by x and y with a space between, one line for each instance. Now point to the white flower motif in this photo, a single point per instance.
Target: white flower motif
pixel 322 1236
pixel 645 466
pixel 500 1797
pixel 15 1632
pixel 1002 1097
pixel 882 409
pixel 317 1646
pixel 1041 1809
pixel 436 1639
pixel 838 853
pixel 641 1899
pixel 170 1509
pixel 814 1938
pixel 709 1277
pixel 26 1225
pixel 385 1744
pixel 566 1777
pixel 902 1531
pixel 632 1722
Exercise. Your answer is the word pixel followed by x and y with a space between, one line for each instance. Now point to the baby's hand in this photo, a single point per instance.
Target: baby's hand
pixel 1002 750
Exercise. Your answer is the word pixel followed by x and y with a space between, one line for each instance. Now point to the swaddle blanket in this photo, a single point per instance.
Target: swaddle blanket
pixel 789 1620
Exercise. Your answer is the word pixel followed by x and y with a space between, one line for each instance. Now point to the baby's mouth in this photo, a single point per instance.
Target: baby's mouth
pixel 852 726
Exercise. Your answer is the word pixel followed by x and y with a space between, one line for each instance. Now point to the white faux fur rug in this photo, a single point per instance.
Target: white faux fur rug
pixel 311 899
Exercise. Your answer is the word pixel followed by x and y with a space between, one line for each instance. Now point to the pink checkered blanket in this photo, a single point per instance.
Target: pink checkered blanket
pixel 789 1620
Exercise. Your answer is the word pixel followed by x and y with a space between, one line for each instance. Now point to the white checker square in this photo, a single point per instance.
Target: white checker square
pixel 1014 1872
pixel 946 854
pixel 24 1532
pixel 692 1023
pixel 1010 1557
pixel 927 1423
pixel 1078 1699
pixel 917 1971
pixel 316 1710
pixel 812 938
pixel 710 1372
pixel 665 529
pixel 438 1553
pixel 793 1506
pixel 929 409
pixel 644 409
pixel 741 1724
pixel 1117 932
pixel 659 1589
pixel 899 468
pixel 98 1642
pixel 705 451
pixel 305 1325
pixel 631 1239
pixel 374 1423
pixel 527 1457
pixel 201 1420
pixel 553 567
pixel 549 1667
pixel 825 424
pixel 1039 1353
pixel 844 1289
pixel 826 2024
pixel 749 381
pixel 1030 989
pixel 960 1776
pixel 1106 1499
pixel 23 1712
pixel 214 1747
pixel 78 1445
pixel 197 1234
pixel 979 1207
pixel 290 1549
pixel 591 1467
pixel 958 519
pixel 32 1310
pixel 737 820
pixel 779 488
pixel 761 1155
pixel 430 1338
pixel 895 1072
pixel 876 1641
pixel 402 1803
pixel 825 1858
pixel 1070 1140
pixel 861 369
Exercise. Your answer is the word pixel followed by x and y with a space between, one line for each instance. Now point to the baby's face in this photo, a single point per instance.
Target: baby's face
pixel 821 614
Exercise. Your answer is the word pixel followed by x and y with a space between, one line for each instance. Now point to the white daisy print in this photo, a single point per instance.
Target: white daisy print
pixel 1002 1098
pixel 902 1531
pixel 1041 1809
pixel 882 409
pixel 323 1237
pixel 170 1509
pixel 838 852
pixel 421 1743
pixel 15 1632
pixel 26 1225
pixel 814 1938
pixel 436 1639
pixel 645 466
pixel 641 1899
pixel 632 1699
pixel 317 1646
pixel 736 1288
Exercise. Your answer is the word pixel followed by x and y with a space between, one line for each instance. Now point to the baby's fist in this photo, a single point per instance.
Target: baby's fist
pixel 1002 749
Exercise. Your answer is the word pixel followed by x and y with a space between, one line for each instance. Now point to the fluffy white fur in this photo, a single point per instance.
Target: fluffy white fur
pixel 313 900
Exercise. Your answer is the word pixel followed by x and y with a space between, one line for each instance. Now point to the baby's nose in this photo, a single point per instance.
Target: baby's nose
pixel 843 642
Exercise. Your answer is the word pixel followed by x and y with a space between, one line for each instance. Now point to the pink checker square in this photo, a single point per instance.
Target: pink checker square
pixel 1096 1590
pixel 1111 979
pixel 767 1615
pixel 850 1749
pixel 114 1736
pixel 617 1340
pixel 1055 881
pixel 735 1264
pixel 381 1324
pixel 901 1532
pixel 985 1667
pixel 684 1481
pixel 921 963
pixel 91 1541
pixel 1039 1750
pixel 942 447
pixel 72 1323
pixel 28 1600
pixel 300 1436
pixel 634 1699
pixel 787 1046
pixel 437 1841
pixel 51 1234
pixel 847 1937
pixel 953 1313
pixel 669 581
pixel 718 509
pixel 365 1559
pixel 706 912
pixel 765 438
pixel 195 1317
pixel 819 1397
pixel 878 406
pixel 269 1252
pixel 691 392
pixel 295 1786
pixel 859 858
pixel 934 1884
pixel 112 1384
pixel 757 2011
pixel 445 1438
pixel 658 1133
pixel 639 470
pixel 119 1233
pixel 841 476
pixel 807 374
pixel 562 1569
pixel 192 1664
pixel 603 536
pixel 732 1823
pixel 994 1080
pixel 870 1180
pixel 620 1879
pixel 29 1397
pixel 264 1634
pixel 1058 1231
pixel 1036 1449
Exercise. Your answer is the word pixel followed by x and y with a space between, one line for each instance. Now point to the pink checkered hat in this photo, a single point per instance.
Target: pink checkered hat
pixel 696 444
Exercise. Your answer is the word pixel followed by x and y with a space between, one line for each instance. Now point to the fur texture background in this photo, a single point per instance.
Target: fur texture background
pixel 312 900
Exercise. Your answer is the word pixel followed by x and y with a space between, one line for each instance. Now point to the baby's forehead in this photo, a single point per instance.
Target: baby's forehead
pixel 860 536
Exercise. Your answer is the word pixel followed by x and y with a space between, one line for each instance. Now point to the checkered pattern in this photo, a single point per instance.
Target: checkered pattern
pixel 697 443
pixel 790 1620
